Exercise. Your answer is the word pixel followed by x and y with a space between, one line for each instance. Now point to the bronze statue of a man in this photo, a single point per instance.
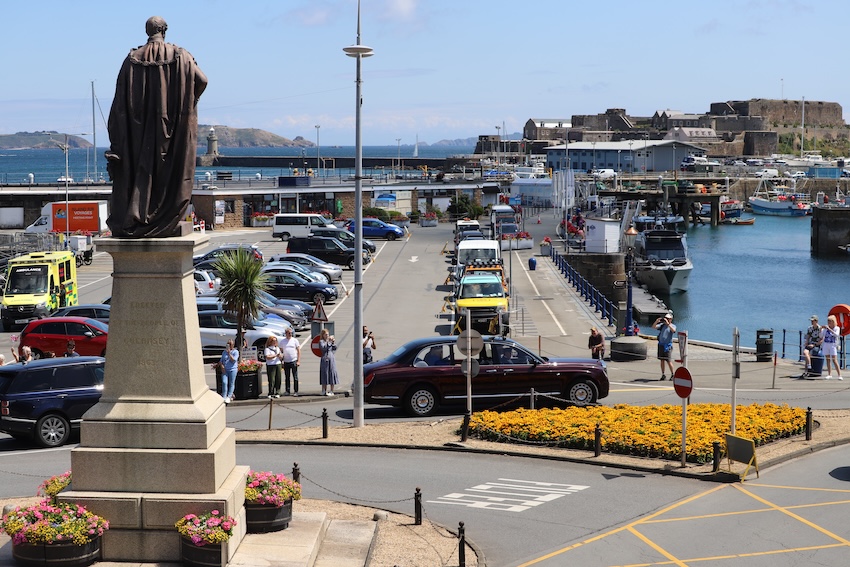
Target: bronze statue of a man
pixel 153 130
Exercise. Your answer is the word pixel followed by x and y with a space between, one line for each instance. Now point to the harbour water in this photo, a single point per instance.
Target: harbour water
pixel 47 165
pixel 757 277
pixel 750 277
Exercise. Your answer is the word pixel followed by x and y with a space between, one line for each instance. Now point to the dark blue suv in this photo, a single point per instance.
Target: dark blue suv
pixel 45 399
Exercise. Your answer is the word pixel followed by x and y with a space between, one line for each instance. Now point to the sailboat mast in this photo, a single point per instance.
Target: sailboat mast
pixel 93 133
pixel 803 128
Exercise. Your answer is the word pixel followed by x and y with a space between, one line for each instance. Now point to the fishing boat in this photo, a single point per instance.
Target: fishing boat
pixel 779 200
pixel 739 221
pixel 662 263
pixel 729 208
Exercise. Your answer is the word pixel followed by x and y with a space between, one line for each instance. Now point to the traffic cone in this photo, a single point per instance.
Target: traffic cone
pixel 538 218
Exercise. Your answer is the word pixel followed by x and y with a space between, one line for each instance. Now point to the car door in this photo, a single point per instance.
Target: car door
pixel 488 383
pixel 519 372
pixel 49 337
pixel 78 387
pixel 89 341
pixel 371 228
pixel 212 338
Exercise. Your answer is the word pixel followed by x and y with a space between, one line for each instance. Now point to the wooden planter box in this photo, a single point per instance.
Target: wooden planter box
pixel 64 554
pixel 264 518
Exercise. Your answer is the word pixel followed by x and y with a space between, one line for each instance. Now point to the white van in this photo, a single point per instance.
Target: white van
pixel 289 225
pixel 767 172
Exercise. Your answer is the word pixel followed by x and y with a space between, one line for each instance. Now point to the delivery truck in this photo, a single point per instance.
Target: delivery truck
pixel 88 217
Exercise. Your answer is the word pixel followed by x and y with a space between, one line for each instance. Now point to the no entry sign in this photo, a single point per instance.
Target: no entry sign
pixel 682 382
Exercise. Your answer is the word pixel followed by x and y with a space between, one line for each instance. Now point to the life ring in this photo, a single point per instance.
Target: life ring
pixel 841 312
pixel 722 215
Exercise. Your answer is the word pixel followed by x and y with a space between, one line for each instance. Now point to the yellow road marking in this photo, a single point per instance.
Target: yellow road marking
pixel 793 515
pixel 626 527
pixel 656 547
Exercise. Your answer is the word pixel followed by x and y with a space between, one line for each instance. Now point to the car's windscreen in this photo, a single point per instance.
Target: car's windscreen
pixel 490 289
pixel 27 279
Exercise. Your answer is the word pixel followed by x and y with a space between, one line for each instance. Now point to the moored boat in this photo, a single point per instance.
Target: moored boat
pixel 779 200
pixel 662 263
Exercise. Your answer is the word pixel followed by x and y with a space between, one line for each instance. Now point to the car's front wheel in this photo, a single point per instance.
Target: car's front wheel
pixel 351 263
pixel 421 401
pixel 582 392
pixel 52 430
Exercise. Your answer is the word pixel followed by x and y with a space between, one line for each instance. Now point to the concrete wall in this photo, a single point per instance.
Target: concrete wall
pixel 830 229
pixel 601 270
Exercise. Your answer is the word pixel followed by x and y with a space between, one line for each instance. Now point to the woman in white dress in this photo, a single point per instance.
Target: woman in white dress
pixel 829 334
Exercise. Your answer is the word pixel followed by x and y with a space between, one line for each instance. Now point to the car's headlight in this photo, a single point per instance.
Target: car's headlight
pixel 41 305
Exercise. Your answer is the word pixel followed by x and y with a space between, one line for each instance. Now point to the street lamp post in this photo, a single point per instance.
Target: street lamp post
pixel 498 143
pixel 594 155
pixel 358 51
pixel 630 236
pixel 318 153
pixel 631 157
pixel 398 155
pixel 65 148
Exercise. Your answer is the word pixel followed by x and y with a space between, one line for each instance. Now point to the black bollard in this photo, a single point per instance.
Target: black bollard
pixel 461 545
pixel 464 435
pixel 597 441
pixel 808 424
pixel 531 399
pixel 716 456
pixel 296 473
pixel 324 423
pixel 417 507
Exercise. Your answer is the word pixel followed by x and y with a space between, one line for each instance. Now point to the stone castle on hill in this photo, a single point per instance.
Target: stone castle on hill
pixel 748 127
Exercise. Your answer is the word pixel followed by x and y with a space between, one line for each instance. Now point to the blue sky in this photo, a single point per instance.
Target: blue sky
pixel 442 69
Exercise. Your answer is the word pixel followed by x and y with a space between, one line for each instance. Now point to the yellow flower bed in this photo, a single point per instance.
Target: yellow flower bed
pixel 646 431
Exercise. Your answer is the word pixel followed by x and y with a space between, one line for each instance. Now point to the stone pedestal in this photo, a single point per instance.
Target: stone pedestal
pixel 156 446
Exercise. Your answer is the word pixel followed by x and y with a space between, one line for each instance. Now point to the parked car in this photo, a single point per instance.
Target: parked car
pixel 425 374
pixel 302 271
pixel 327 249
pixel 206 283
pixel 289 285
pixel 226 248
pixel 217 327
pixel 293 315
pixel 376 228
pixel 795 174
pixel 53 333
pixel 343 236
pixel 333 271
pixel 44 400
pixel 99 311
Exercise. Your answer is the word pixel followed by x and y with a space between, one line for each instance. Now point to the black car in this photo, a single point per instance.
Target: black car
pixel 327 249
pixel 227 248
pixel 290 285
pixel 45 400
pixel 343 236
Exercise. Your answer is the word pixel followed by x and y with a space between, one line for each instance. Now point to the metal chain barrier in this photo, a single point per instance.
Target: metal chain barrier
pixel 345 497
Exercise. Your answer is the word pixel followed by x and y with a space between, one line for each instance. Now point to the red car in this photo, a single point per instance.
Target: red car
pixel 425 374
pixel 53 333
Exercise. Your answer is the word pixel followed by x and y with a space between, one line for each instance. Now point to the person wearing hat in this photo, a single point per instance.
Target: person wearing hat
pixel 812 342
pixel 666 329
pixel 830 334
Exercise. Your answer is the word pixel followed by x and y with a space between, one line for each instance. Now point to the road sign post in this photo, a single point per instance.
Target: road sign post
pixel 684 385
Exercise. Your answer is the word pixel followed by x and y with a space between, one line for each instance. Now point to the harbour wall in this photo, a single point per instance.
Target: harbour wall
pixel 830 229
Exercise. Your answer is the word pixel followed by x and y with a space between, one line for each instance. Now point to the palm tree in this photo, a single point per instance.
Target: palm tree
pixel 242 278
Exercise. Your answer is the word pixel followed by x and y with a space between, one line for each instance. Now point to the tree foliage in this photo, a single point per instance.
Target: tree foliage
pixel 242 280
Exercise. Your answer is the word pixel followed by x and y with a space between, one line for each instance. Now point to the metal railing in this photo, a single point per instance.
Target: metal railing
pixel 595 298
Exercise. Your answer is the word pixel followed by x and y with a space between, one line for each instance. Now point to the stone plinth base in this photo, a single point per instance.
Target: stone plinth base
pixel 625 349
pixel 141 524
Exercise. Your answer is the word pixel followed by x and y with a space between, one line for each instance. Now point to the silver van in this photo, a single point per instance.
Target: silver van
pixel 289 225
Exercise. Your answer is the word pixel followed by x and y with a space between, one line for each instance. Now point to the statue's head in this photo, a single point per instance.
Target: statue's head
pixel 155 25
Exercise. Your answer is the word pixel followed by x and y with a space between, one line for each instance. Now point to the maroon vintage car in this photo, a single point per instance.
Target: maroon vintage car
pixel 425 374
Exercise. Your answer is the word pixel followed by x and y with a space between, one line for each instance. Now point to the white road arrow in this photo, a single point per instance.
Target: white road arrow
pixel 414 259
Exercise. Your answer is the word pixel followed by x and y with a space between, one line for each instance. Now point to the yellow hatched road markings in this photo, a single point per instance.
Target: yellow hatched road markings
pixel 655 518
